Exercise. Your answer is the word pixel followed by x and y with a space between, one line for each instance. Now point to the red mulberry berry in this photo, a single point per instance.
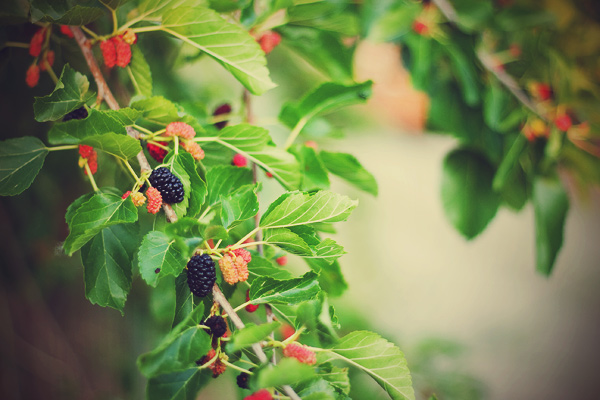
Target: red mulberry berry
pixel 563 122
pixel 312 144
pixel 541 91
pixel 123 52
pixel 250 307
pixel 269 41
pixel 269 175
pixel 194 149
pixel 32 77
pixel 180 129
pixel 109 53
pixel 130 37
pixel 420 28
pixel 262 394
pixel 154 200
pixel 36 43
pixel 158 153
pixel 239 160
pixel 300 353
pixel 92 162
pixel 126 194
pixel 281 260
pixel 287 331
pixel 221 110
pixel 86 151
pixel 65 30
pixel 244 254
pixel 47 61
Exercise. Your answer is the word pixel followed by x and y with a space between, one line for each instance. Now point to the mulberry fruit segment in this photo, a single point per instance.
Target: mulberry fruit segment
pixel 201 275
pixel 169 186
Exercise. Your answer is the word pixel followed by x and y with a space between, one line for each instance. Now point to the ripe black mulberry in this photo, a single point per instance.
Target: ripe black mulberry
pixel 201 274
pixel 217 325
pixel 169 186
pixel 79 113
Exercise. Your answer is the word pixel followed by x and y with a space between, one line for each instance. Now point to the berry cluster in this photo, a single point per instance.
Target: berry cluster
pixel 157 152
pixel 117 49
pixel 180 129
pixel 239 160
pixel 268 41
pixel 38 48
pixel 217 367
pixel 137 198
pixel 89 156
pixel 223 109
pixel 250 307
pixel 79 113
pixel 234 266
pixel 169 186
pixel 154 200
pixel 201 274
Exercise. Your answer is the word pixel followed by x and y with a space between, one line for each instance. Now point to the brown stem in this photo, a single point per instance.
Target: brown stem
pixel 105 93
pixel 490 64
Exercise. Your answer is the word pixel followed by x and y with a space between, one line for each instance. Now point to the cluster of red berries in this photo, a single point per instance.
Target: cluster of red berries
pixel 158 150
pixel 117 49
pixel 562 117
pixel 152 195
pixel 89 156
pixel 301 353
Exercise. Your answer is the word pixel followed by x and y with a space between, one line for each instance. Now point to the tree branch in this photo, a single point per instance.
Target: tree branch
pixel 105 94
pixel 488 62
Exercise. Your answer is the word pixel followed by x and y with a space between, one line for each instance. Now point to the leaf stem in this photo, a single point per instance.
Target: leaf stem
pixel 204 213
pixel 238 308
pixel 142 129
pixel 17 44
pixel 148 29
pixel 50 72
pixel 249 235
pixel 66 147
pixel 91 176
pixel 132 172
pixel 295 132
pixel 233 366
pixel 89 32
pixel 115 22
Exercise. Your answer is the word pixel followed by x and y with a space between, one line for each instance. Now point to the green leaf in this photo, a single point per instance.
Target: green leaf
pixel 463 63
pixel 157 110
pixel 330 16
pixel 20 161
pixel 500 110
pixel 249 335
pixel 288 371
pixel 550 205
pixel 160 256
pixel 318 389
pixel 197 190
pixel 70 93
pixel 180 349
pixel 101 211
pixel 176 354
pixel 139 72
pixel 347 167
pixel 255 143
pixel 326 98
pixel 323 50
pixel 288 241
pixel 291 291
pixel 95 124
pixel 66 12
pixel 509 163
pixel 224 179
pixel 337 377
pixel 121 146
pixel 331 279
pixel 314 174
pixel 227 43
pixel 299 208
pixel 377 357
pixel 107 262
pixel 239 205
pixel 261 267
pixel 151 10
pixel 184 299
pixel 467 195
pixel 178 385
